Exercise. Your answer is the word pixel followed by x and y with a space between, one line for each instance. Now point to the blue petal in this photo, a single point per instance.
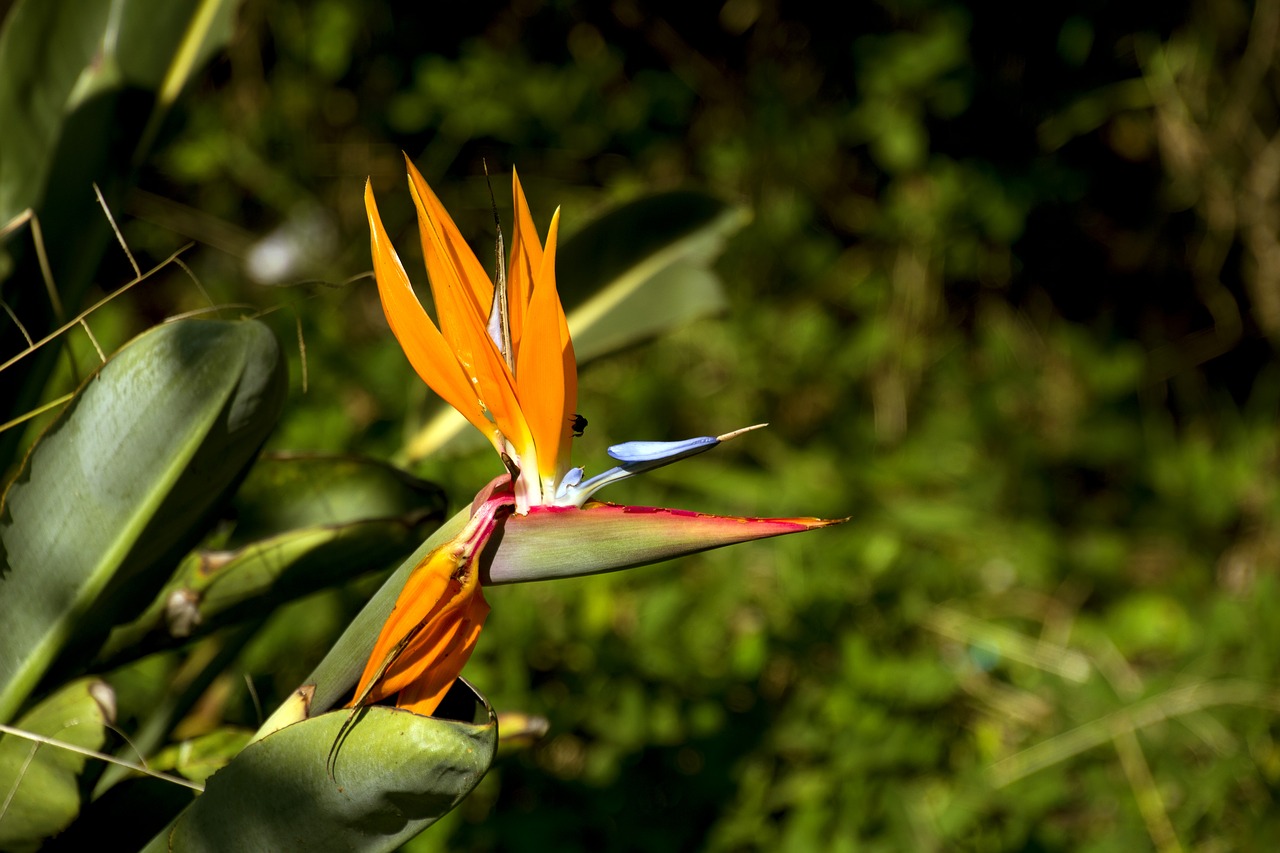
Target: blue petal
pixel 632 452
pixel 636 458
pixel 568 482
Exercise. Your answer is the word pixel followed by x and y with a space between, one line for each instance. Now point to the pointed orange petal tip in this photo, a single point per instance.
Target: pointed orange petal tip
pixel 562 542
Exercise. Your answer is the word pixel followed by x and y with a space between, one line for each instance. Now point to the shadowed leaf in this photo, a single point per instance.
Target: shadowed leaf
pixel 83 90
pixel 303 523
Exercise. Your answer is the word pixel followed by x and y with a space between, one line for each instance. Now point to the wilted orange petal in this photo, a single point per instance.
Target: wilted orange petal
pixel 421 341
pixel 424 596
pixel 452 652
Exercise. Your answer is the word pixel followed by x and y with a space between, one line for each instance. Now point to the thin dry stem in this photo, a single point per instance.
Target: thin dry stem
pixel 93 340
pixel 302 350
pixel 116 230
pixel 92 753
pixel 182 265
pixel 1165 706
pixel 52 404
pixel 103 301
pixel 16 321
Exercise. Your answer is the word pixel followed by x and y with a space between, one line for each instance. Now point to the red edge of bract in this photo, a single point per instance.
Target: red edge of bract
pixel 800 522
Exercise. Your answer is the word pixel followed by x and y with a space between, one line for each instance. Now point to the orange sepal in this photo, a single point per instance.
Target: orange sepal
pixel 526 260
pixel 458 254
pixel 423 695
pixel 421 341
pixel 547 390
pixel 437 617
pixel 452 269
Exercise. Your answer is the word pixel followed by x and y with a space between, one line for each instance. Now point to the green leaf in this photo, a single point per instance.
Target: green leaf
pixel 199 758
pixel 213 589
pixel 55 57
pixel 39 783
pixel 318 521
pixel 124 482
pixel 643 268
pixel 287 492
pixel 395 774
pixel 633 273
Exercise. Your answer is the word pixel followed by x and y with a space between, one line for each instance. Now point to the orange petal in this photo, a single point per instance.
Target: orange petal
pixel 526 260
pixel 437 617
pixel 570 366
pixel 463 322
pixel 421 341
pixel 453 294
pixel 459 254
pixel 424 595
pixel 540 369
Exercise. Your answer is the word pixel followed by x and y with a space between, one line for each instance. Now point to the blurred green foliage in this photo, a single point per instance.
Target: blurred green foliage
pixel 1011 303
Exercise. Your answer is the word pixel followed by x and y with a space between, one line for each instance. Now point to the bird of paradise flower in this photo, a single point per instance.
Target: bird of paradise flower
pixel 502 356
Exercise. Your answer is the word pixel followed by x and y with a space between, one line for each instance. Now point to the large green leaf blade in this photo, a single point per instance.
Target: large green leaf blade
pixel 123 482
pixel 56 56
pixel 292 491
pixel 214 589
pixel 644 268
pixel 395 774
